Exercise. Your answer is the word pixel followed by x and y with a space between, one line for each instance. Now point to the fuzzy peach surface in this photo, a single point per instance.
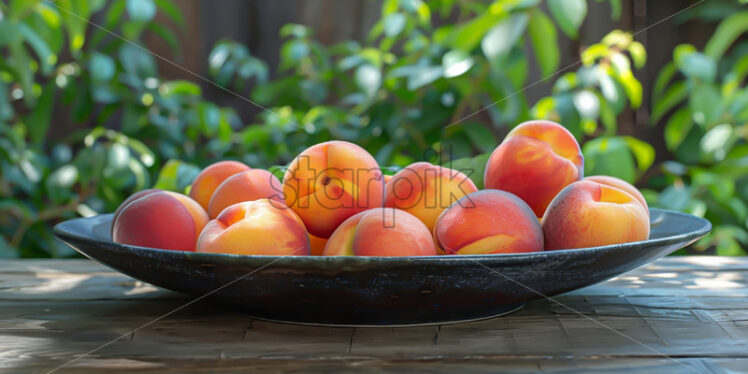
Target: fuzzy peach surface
pixel 591 214
pixel 381 232
pixel 329 182
pixel 211 177
pixel 159 219
pixel 247 185
pixel 260 227
pixel 488 221
pixel 425 190
pixel 536 160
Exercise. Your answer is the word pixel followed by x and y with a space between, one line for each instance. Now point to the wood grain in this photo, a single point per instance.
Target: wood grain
pixel 692 309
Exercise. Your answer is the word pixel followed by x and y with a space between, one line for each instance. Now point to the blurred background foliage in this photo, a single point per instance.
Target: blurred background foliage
pixel 438 80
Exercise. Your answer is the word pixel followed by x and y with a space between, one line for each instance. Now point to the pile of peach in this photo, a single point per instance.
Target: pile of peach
pixel 335 201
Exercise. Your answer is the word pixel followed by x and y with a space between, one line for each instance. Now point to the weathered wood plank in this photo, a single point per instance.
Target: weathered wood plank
pixel 54 311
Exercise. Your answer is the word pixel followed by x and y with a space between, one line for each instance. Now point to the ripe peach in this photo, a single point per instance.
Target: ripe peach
pixel 159 219
pixel 486 222
pixel 259 227
pixel 130 199
pixel 425 190
pixel 211 177
pixel 247 185
pixel 535 161
pixel 621 185
pixel 387 178
pixel 381 232
pixel 317 245
pixel 330 182
pixel 590 214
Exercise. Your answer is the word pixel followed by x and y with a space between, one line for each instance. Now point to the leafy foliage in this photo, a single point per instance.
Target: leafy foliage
pixel 702 98
pixel 420 87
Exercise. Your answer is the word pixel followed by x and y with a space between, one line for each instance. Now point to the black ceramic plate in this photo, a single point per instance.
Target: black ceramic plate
pixel 379 290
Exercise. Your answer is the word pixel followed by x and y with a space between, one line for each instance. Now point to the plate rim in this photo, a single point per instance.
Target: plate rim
pixel 63 232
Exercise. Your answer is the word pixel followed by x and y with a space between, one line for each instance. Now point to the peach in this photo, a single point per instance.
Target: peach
pixel 317 245
pixel 247 185
pixel 425 190
pixel 211 177
pixel 487 222
pixel 259 227
pixel 591 214
pixel 159 219
pixel 329 182
pixel 387 178
pixel 381 232
pixel 536 160
pixel 130 199
pixel 621 185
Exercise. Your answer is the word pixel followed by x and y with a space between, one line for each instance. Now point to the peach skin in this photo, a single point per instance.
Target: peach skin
pixel 329 182
pixel 211 177
pixel 425 190
pixel 159 219
pixel 247 185
pixel 536 160
pixel 260 227
pixel 488 222
pixel 621 185
pixel 384 232
pixel 130 199
pixel 591 214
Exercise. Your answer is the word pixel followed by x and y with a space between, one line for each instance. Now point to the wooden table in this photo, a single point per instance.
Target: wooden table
pixel 692 309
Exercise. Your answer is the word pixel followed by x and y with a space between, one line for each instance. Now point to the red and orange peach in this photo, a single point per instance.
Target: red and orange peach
pixel 211 177
pixel 381 232
pixel 259 227
pixel 159 219
pixel 536 160
pixel 425 190
pixel 247 185
pixel 329 182
pixel 487 222
pixel 590 214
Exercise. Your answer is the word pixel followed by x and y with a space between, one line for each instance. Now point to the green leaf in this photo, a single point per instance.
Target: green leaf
pixel 39 119
pixel 609 156
pixel 394 24
pixel 706 105
pixel 697 66
pixel 47 58
pixel 481 137
pixel 615 9
pixel 470 34
pixel 141 10
pixel 166 34
pixel 74 15
pixel 456 63
pixel 172 11
pixel 632 87
pixel 643 152
pixel 569 14
pixel 369 79
pixel 672 97
pixel 102 67
pixel 176 175
pixel 727 32
pixel 638 54
pixel 544 42
pixel 473 167
pixel 500 39
pixel 677 128
pixel 663 78
pixel 423 76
